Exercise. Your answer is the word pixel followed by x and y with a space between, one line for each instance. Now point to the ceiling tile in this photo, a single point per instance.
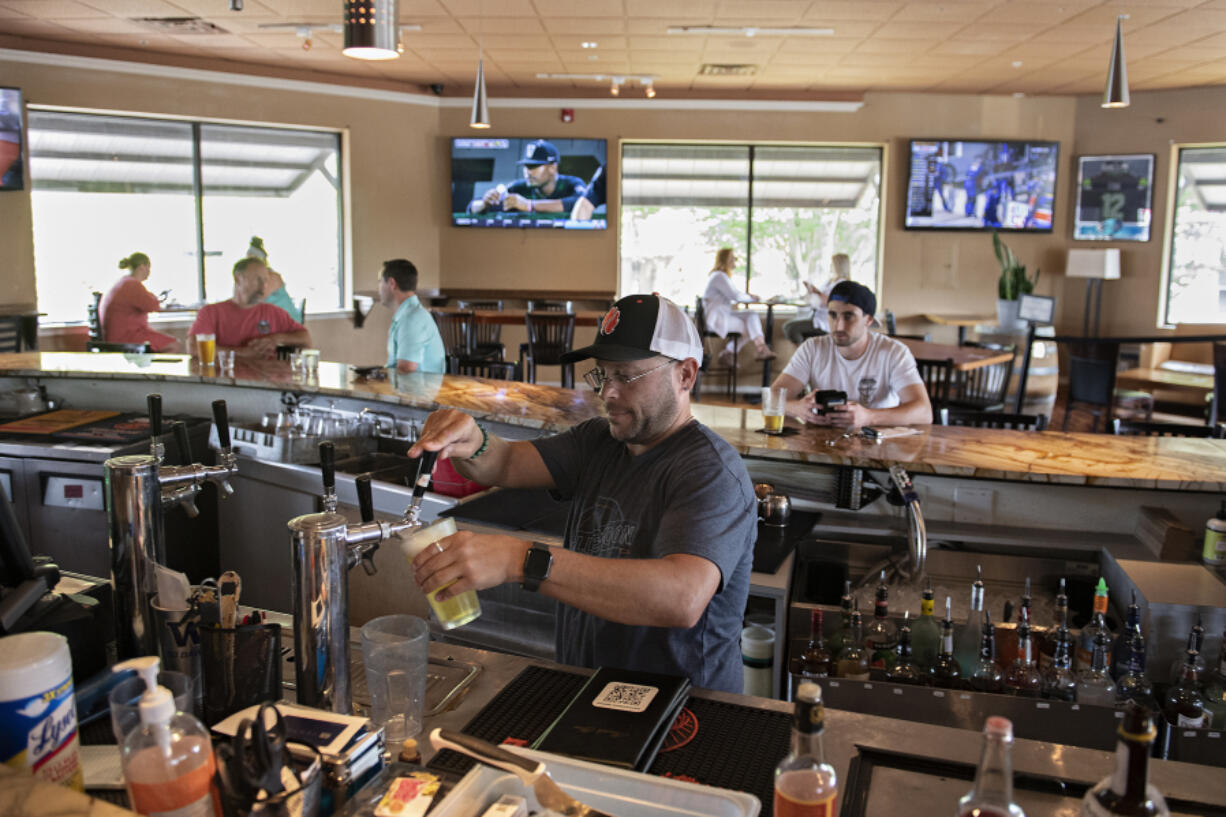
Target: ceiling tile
pixel 569 8
pixel 668 9
pixel 905 30
pixel 591 26
pixel 877 45
pixel 501 25
pixel 836 10
pixel 494 8
pixel 767 12
pixel 954 12
pixel 54 9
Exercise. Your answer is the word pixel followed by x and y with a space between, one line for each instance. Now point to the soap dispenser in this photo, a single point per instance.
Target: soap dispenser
pixel 168 762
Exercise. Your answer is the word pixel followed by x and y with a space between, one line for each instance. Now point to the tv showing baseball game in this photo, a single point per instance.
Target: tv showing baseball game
pixel 530 182
pixel 981 185
pixel 12 138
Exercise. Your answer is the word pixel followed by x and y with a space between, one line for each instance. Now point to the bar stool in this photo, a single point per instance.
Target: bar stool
pixel 486 335
pixel 550 335
pixel 1092 383
pixel 456 329
pixel 706 367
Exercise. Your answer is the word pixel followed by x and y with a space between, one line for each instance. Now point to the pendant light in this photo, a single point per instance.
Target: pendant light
pixel 481 113
pixel 1116 93
pixel 371 29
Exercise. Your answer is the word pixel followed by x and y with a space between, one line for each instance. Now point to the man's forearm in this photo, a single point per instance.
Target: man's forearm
pixel 300 338
pixel 489 466
pixel 916 412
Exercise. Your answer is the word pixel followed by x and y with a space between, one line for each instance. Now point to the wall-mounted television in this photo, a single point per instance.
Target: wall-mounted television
pixel 981 185
pixel 12 138
pixel 528 182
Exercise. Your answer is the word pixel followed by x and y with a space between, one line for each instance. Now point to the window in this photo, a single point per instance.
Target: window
pixel 784 209
pixel 190 195
pixel 1196 280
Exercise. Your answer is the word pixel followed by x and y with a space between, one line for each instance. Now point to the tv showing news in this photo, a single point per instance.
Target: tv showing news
pixel 12 168
pixel 981 185
pixel 529 182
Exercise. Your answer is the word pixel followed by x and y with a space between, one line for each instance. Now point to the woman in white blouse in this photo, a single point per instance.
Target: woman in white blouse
pixel 719 302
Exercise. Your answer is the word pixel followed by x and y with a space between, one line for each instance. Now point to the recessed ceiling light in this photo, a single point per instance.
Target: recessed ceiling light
pixel 753 31
pixel 588 44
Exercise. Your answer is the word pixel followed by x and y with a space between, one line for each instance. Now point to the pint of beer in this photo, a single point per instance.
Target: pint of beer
pixel 458 610
pixel 773 401
pixel 206 348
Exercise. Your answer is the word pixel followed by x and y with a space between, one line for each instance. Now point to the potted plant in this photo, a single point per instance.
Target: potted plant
pixel 1012 285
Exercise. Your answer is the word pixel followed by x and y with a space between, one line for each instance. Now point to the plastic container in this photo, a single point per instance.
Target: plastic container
pixel 1214 551
pixel 617 791
pixel 757 659
pixel 38 710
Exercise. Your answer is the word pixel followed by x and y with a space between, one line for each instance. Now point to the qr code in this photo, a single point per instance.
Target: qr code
pixel 625 697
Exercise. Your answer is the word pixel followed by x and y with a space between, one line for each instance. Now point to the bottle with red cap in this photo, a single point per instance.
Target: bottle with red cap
pixel 993 792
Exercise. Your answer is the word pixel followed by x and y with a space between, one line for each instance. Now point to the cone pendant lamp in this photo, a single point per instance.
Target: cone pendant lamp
pixel 1116 93
pixel 481 113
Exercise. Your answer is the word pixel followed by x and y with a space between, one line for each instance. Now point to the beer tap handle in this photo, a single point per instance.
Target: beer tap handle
pixel 222 421
pixel 424 469
pixel 327 464
pixel 366 503
pixel 182 442
pixel 154 401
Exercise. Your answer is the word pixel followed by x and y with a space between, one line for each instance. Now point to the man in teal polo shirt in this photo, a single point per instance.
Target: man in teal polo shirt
pixel 413 341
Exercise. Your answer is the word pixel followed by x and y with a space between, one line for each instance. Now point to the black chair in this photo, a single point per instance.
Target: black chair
pixel 805 334
pixel 550 306
pixel 457 331
pixel 984 388
pixel 489 369
pixel 938 376
pixel 891 329
pixel 992 419
pixel 1135 428
pixel 1216 411
pixel 1092 368
pixel 550 335
pixel 706 366
pixel 486 335
pixel 95 316
pixel 10 334
pixel 105 346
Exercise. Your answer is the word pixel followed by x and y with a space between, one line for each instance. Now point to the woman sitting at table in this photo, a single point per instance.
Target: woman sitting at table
pixel 124 311
pixel 813 317
pixel 719 302
pixel 275 292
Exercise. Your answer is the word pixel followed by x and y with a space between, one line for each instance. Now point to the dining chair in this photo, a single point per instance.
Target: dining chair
pixel 891 329
pixel 10 334
pixel 1091 383
pixel 486 335
pixel 938 378
pixel 489 369
pixel 984 388
pixel 1137 428
pixel 1216 413
pixel 551 306
pixel 94 312
pixel 550 335
pixel 709 364
pixel 992 419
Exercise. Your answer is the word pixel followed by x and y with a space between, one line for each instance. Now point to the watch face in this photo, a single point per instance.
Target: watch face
pixel 537 563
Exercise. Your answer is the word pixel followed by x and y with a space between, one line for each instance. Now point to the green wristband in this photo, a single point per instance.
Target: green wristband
pixel 485 443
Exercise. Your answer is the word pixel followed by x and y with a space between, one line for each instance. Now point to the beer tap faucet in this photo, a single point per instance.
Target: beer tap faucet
pixel 324 547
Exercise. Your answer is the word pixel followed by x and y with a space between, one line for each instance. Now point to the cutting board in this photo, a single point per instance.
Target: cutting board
pixel 53 421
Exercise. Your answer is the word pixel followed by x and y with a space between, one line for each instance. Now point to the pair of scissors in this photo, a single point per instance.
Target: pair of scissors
pixel 259 752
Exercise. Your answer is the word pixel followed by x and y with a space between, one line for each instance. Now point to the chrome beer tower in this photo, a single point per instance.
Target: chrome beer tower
pixel 324 547
pixel 138 489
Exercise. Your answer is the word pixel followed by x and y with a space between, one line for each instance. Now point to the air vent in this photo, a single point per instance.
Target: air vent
pixel 713 69
pixel 180 25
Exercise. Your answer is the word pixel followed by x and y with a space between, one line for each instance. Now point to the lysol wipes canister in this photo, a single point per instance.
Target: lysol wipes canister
pixel 38 713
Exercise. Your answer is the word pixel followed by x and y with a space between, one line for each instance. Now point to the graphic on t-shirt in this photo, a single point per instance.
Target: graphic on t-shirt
pixel 604 530
pixel 264 327
pixel 868 388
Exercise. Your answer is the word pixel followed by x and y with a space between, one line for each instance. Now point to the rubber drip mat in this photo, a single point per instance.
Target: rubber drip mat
pixel 522 711
pixel 735 747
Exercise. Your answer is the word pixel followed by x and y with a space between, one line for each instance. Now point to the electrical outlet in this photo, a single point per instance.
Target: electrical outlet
pixel 974 505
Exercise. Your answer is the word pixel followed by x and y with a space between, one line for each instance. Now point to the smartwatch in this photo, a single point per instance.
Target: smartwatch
pixel 538 561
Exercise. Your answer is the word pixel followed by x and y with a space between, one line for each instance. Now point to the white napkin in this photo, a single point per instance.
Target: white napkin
pixel 173 588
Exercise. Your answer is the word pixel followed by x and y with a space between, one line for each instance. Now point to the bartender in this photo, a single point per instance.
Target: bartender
pixel 654 575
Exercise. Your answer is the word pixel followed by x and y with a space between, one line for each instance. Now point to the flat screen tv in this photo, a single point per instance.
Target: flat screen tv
pixel 981 185
pixel 531 182
pixel 12 138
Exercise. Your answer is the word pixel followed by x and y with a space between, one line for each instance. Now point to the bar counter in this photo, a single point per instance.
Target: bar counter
pixel 1049 457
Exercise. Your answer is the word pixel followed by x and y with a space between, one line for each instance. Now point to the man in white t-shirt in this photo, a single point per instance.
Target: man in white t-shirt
pixel 877 372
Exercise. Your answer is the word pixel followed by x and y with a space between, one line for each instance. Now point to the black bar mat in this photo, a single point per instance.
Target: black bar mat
pixel 733 747
pixel 522 711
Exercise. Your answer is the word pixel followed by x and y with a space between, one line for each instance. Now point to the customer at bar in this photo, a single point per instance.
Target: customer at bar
pixel 124 311
pixel 659 538
pixel 813 316
pixel 413 340
pixel 277 295
pixel 719 302
pixel 877 372
pixel 245 323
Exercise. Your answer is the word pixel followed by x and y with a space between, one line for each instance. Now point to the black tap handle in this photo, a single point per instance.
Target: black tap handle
pixel 221 419
pixel 181 440
pixel 327 464
pixel 424 469
pixel 366 502
pixel 154 402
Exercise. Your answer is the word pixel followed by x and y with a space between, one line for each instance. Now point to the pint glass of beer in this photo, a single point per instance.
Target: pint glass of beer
pixel 206 348
pixel 773 400
pixel 458 610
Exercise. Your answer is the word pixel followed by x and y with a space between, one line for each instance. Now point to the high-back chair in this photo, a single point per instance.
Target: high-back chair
pixel 550 335
pixel 1217 409
pixel 550 306
pixel 489 369
pixel 486 335
pixel 984 388
pixel 1137 428
pixel 992 419
pixel 708 365
pixel 10 335
pixel 94 310
pixel 938 379
pixel 1091 383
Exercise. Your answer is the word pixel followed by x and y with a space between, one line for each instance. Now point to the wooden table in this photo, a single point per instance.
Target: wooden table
pixel 960 321
pixel 1197 386
pixel 965 358
pixel 508 317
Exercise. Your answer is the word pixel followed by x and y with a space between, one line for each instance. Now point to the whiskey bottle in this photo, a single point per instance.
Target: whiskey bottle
pixel 987 675
pixel 1184 707
pixel 881 637
pixel 945 671
pixel 904 670
pixel 815 660
pixel 1127 791
pixel 805 784
pixel 1022 677
pixel 1196 641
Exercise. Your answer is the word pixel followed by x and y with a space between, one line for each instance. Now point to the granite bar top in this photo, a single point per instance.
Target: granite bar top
pixel 1052 457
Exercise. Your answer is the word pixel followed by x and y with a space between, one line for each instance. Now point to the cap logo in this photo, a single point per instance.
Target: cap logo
pixel 529 150
pixel 611 319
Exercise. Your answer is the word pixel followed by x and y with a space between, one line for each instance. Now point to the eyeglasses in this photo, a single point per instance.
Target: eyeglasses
pixel 596 378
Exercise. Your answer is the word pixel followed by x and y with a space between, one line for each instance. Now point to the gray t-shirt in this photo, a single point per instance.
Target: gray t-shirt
pixel 689 494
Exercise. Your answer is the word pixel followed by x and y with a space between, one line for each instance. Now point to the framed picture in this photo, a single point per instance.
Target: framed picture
pixel 1114 198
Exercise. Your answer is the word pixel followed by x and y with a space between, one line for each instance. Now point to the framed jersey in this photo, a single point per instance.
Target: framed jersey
pixel 1114 198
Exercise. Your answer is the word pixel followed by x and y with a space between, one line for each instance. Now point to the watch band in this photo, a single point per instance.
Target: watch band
pixel 538 562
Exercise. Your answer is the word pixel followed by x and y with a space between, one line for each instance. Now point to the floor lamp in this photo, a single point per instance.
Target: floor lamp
pixel 1095 266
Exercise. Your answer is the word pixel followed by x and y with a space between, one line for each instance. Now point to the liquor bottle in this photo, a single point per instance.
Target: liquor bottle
pixel 992 795
pixel 1007 647
pixel 1127 791
pixel 904 670
pixel 1196 641
pixel 1098 621
pixel 1094 685
pixel 945 671
pixel 1215 690
pixel 925 632
pixel 1059 683
pixel 1121 653
pixel 1046 638
pixel 1133 685
pixel 1022 677
pixel 987 675
pixel 815 660
pixel 880 636
pixel 967 637
pixel 840 639
pixel 805 784
pixel 853 661
pixel 1184 707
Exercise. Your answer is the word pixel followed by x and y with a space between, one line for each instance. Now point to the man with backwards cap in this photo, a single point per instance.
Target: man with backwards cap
pixel 659 540
pixel 877 372
pixel 541 190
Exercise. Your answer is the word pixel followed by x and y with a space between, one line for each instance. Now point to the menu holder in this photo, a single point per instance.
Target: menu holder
pixel 619 718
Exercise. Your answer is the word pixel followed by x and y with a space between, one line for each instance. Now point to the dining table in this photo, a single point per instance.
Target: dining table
pixel 963 322
pixel 1196 386
pixel 965 358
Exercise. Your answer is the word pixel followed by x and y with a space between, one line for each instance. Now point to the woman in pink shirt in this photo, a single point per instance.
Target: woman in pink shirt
pixel 125 309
